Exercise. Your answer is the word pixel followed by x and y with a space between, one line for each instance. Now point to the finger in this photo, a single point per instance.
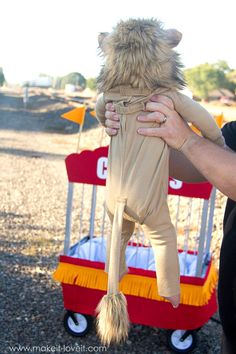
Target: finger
pixel 110 107
pixel 111 131
pixel 156 117
pixel 157 132
pixel 164 100
pixel 158 107
pixel 112 124
pixel 112 115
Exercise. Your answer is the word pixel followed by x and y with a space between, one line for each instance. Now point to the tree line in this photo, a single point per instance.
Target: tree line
pixel 204 78
pixel 201 79
pixel 76 79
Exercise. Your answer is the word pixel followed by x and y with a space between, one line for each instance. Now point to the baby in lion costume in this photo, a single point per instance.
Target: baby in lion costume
pixel 139 61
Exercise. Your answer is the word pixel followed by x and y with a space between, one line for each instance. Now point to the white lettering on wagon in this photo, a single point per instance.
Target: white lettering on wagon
pixel 175 184
pixel 102 173
pixel 102 168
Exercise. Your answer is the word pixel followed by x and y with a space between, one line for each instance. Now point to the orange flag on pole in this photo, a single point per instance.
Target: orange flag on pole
pixel 219 119
pixel 76 115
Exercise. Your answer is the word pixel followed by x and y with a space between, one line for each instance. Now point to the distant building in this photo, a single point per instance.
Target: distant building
pixel 41 81
pixel 222 95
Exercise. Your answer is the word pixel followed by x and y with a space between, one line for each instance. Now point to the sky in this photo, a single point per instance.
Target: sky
pixel 57 37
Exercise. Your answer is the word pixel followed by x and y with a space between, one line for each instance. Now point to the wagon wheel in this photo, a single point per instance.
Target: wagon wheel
pixel 77 324
pixel 182 341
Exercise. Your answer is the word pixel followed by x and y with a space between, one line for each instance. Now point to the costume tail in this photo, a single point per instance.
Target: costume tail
pixel 113 319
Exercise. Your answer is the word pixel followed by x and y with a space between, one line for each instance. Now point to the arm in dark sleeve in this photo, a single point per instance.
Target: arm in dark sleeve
pixel 229 133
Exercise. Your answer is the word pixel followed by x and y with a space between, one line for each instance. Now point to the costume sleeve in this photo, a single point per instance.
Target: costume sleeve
pixel 100 109
pixel 191 111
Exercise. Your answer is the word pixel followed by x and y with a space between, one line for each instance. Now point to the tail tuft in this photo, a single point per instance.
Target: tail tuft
pixel 112 319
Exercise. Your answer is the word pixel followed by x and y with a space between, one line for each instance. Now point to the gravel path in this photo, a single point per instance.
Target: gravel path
pixel 33 184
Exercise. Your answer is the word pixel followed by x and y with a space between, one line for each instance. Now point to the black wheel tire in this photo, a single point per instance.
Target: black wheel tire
pixel 80 328
pixel 178 346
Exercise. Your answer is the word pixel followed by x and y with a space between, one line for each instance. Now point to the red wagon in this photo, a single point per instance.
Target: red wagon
pixel 81 267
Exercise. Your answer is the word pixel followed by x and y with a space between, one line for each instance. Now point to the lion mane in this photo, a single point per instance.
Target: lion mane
pixel 139 52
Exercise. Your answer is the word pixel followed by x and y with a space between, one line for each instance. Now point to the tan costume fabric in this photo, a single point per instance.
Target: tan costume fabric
pixel 138 172
pixel 140 62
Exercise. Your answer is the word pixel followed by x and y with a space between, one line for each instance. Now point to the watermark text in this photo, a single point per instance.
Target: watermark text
pixel 76 348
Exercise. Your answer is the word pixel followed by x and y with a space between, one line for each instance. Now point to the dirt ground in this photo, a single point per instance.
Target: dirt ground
pixel 33 185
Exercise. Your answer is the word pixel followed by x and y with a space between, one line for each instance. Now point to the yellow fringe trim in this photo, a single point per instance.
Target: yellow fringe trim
pixel 136 285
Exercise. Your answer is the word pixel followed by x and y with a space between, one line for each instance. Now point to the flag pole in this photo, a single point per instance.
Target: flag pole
pixel 76 115
pixel 93 113
pixel 79 136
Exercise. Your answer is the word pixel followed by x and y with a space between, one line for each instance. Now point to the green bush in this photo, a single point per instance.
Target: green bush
pixel 76 79
pixel 205 78
pixel 2 77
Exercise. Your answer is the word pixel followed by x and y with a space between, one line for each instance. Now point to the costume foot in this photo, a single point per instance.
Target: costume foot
pixel 174 300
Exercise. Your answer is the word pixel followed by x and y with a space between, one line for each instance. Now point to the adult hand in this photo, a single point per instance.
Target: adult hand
pixel 112 121
pixel 171 127
pixel 112 118
pixel 180 166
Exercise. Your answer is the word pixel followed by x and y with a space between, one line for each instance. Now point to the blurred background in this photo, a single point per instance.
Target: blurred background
pixel 49 62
